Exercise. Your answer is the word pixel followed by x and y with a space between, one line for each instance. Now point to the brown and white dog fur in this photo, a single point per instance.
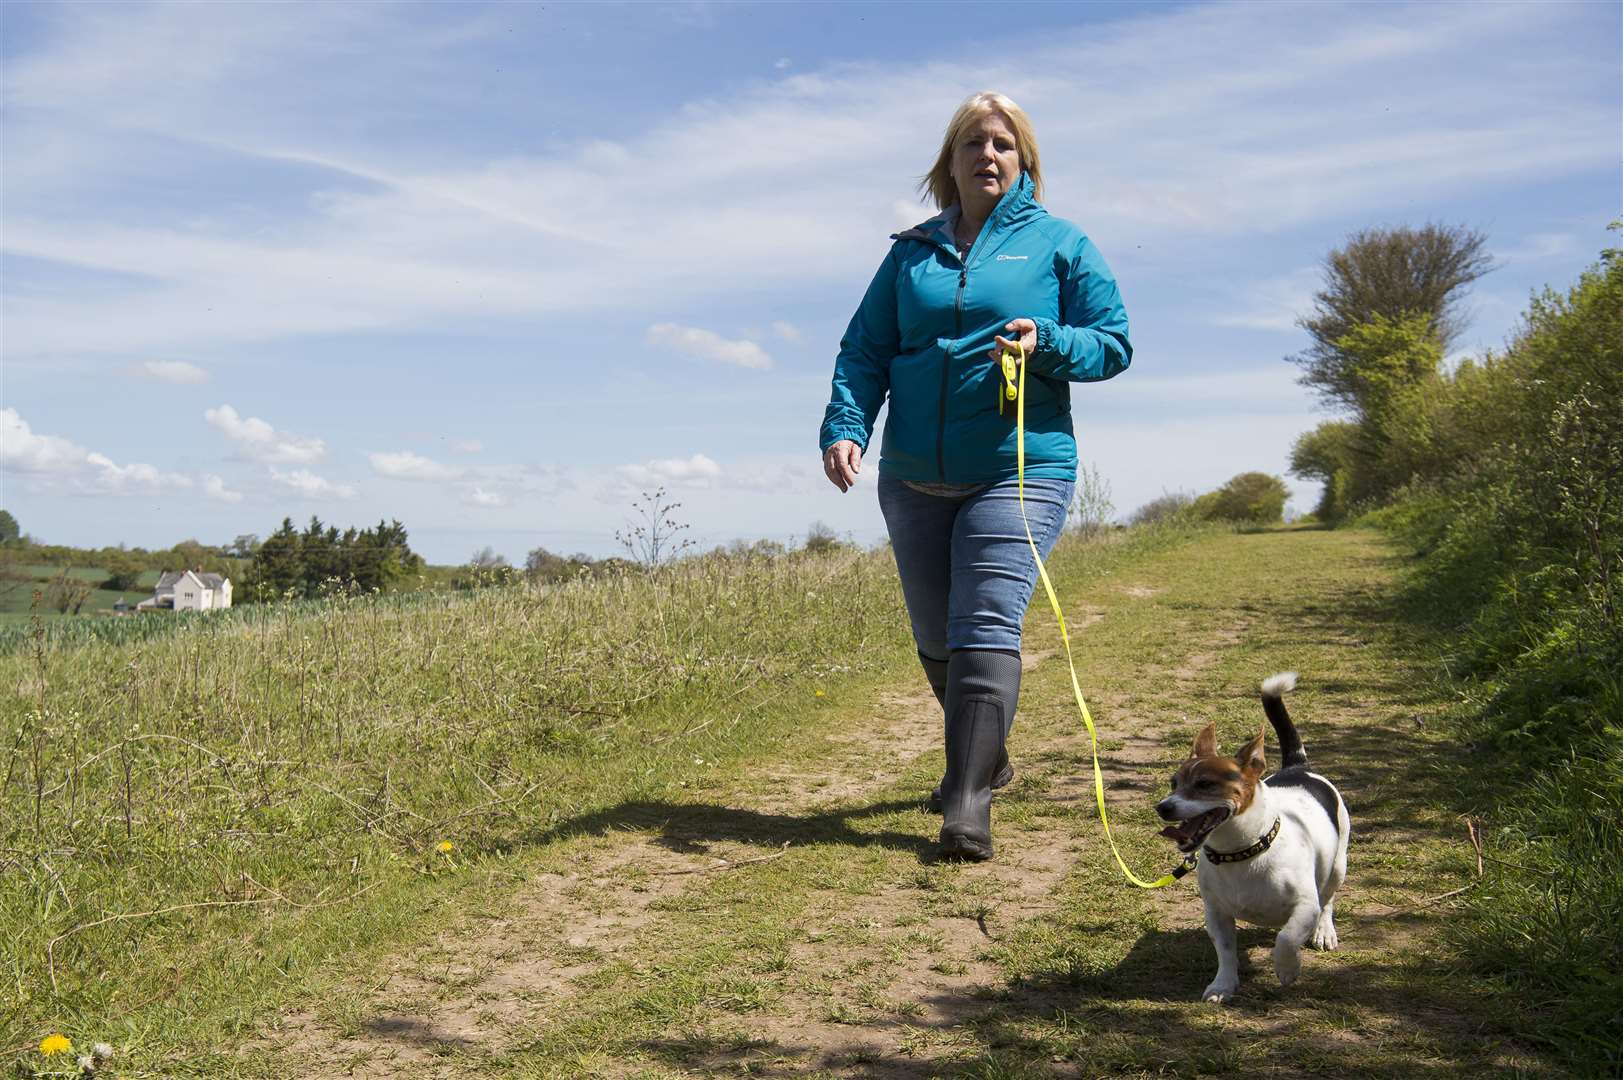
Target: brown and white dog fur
pixel 1226 804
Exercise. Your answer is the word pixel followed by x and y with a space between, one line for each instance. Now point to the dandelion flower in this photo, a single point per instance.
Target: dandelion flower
pixel 818 693
pixel 53 1045
pixel 444 847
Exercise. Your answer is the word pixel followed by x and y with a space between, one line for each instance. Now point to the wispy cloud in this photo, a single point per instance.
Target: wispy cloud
pixel 478 496
pixel 1274 303
pixel 788 332
pixel 311 486
pixel 388 241
pixel 259 441
pixel 709 345
pixel 405 465
pixel 178 372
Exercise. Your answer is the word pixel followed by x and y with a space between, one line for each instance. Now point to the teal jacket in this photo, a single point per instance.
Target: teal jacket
pixel 925 328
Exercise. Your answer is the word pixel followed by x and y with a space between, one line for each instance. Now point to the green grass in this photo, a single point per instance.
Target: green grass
pixel 308 763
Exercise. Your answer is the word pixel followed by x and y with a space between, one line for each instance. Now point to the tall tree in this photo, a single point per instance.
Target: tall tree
pixel 1393 274
pixel 278 565
pixel 9 529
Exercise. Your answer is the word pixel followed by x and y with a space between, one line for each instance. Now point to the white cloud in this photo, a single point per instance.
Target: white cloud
pixel 783 63
pixel 709 345
pixel 1537 246
pixel 311 486
pixel 178 372
pixel 478 496
pixel 1275 303
pixel 405 465
pixel 697 471
pixel 260 441
pixel 788 332
pixel 214 488
pixel 55 462
pixel 21 450
pixel 400 235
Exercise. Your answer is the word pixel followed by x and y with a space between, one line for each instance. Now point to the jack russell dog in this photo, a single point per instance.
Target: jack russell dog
pixel 1275 849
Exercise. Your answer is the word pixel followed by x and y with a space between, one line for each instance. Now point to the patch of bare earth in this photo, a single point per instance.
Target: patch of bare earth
pixel 878 983
pixel 484 982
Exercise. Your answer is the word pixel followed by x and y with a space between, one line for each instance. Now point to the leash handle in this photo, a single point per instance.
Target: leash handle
pixel 1015 388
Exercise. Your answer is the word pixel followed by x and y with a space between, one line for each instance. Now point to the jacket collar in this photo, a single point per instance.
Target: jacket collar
pixel 1013 208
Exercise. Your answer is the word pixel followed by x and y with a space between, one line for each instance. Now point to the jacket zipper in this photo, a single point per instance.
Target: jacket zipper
pixel 957 332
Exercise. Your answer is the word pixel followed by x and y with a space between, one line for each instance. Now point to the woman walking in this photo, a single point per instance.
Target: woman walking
pixel 993 269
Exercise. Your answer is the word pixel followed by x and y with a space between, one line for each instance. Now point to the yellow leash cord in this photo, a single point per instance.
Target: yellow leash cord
pixel 1014 389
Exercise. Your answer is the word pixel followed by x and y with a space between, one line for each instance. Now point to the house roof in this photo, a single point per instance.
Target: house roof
pixel 170 578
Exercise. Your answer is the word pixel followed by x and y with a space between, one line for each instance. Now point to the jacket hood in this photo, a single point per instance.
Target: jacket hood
pixel 1015 207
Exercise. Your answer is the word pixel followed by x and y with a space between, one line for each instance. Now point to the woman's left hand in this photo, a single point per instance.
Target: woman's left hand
pixel 1024 337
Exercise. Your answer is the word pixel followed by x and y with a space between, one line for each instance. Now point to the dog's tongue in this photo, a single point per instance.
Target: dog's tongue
pixel 1180 832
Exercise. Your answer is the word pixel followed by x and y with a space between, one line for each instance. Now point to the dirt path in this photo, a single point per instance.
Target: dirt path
pixel 794 920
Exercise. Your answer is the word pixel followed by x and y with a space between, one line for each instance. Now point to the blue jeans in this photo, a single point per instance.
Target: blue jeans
pixel 967 571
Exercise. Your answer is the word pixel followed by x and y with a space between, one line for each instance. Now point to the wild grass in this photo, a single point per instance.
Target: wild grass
pixel 195 815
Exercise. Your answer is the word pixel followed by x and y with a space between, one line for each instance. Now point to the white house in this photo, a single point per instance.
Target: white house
pixel 188 590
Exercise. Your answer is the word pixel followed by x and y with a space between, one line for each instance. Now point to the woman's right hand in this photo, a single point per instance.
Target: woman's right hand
pixel 841 463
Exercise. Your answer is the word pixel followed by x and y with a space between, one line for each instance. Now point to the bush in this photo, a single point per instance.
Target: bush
pixel 1520 560
pixel 1251 498
pixel 1166 507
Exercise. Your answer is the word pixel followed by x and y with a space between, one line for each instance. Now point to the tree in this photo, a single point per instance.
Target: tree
pixel 487 558
pixel 821 540
pixel 123 570
pixel 654 538
pixel 243 547
pixel 1395 274
pixel 278 565
pixel 1251 498
pixel 9 530
pixel 66 593
pixel 1164 507
pixel 1091 506
pixel 1326 454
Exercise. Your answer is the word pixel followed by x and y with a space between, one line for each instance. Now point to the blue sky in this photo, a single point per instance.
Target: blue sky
pixel 494 269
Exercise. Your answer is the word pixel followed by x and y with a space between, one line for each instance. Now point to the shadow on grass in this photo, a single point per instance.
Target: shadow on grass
pixel 688 827
pixel 1378 1017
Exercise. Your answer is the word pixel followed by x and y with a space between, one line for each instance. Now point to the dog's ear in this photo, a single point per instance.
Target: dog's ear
pixel 1205 742
pixel 1250 757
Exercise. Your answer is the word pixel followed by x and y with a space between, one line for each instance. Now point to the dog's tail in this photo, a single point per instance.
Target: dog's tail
pixel 1274 687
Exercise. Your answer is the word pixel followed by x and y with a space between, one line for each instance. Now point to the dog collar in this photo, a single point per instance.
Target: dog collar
pixel 1244 853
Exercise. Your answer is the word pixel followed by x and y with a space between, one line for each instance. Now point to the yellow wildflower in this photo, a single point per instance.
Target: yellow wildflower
pixel 444 847
pixel 53 1045
pixel 817 693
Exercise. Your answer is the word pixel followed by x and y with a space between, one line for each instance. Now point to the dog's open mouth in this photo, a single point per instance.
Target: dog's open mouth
pixel 1189 834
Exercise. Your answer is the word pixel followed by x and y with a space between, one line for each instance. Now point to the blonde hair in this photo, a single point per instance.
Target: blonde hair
pixel 938 182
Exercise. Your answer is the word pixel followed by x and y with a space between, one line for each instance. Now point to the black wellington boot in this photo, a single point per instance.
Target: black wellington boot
pixel 982 688
pixel 936 671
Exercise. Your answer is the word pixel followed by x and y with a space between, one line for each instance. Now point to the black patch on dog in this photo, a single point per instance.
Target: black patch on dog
pixel 1322 792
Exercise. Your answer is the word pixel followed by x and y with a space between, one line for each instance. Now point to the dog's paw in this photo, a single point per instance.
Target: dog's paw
pixel 1325 936
pixel 1219 992
pixel 1287 963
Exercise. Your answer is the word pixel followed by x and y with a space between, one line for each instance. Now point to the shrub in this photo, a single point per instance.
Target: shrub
pixel 1166 507
pixel 1251 498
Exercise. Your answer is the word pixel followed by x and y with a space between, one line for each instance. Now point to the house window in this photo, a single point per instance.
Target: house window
pixel 188 596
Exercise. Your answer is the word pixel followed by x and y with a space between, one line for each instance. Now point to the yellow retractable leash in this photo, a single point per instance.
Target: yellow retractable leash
pixel 1014 389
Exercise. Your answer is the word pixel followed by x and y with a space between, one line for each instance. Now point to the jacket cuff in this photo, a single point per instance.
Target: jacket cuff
pixel 1046 329
pixel 832 436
